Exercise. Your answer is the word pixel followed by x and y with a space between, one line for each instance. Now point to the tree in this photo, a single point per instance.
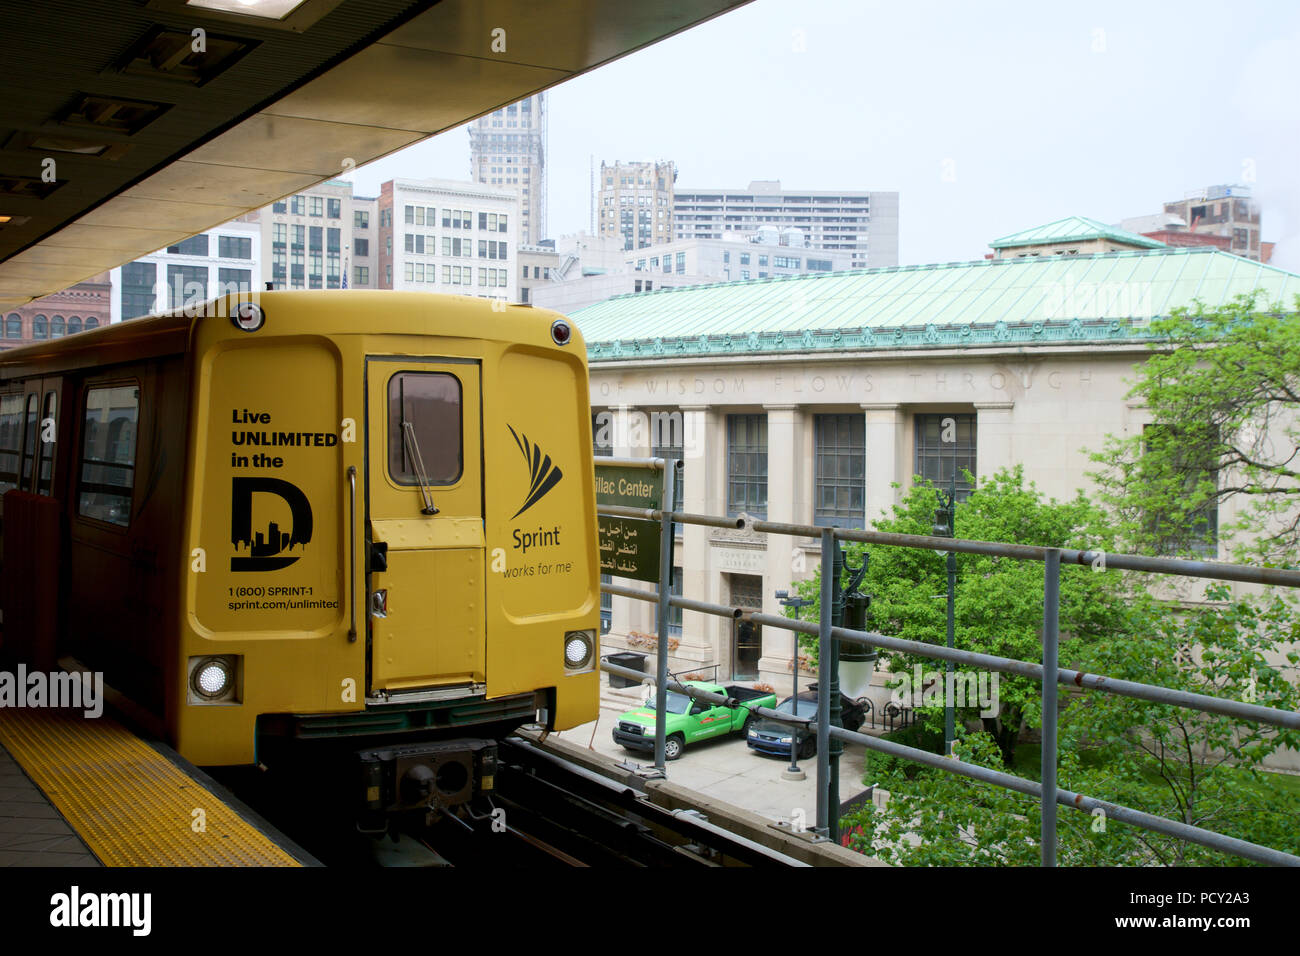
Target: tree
pixel 1224 388
pixel 1200 769
pixel 999 601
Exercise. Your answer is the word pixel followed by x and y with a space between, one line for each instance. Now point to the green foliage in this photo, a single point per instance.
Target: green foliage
pixel 1226 386
pixel 999 601
pixel 1201 769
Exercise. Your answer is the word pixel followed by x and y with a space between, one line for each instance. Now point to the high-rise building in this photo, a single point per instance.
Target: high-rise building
pixel 508 148
pixel 308 238
pixel 363 268
pixel 864 224
pixel 634 202
pixel 438 235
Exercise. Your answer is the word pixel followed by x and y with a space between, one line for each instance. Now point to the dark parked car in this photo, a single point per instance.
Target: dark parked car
pixel 771 737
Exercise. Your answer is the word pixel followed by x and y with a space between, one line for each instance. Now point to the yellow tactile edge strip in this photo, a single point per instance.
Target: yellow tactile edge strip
pixel 130 805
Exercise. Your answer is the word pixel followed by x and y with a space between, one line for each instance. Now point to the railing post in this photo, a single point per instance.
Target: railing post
pixel 830 584
pixel 666 542
pixel 1051 634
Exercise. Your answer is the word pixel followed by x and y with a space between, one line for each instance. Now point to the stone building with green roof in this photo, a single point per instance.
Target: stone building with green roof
pixel 806 399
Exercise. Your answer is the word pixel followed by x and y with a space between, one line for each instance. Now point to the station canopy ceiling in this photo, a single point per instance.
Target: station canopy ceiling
pixel 128 125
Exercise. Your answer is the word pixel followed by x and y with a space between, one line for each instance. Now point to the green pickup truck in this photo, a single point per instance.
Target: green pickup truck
pixel 688 721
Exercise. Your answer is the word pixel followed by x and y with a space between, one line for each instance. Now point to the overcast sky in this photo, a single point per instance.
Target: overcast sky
pixel 987 117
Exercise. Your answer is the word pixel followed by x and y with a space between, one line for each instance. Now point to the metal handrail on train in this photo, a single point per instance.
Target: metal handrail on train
pixel 1052 559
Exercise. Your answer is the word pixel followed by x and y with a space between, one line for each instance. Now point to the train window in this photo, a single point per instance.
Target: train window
pixel 11 438
pixel 45 469
pixel 431 403
pixel 108 454
pixel 29 440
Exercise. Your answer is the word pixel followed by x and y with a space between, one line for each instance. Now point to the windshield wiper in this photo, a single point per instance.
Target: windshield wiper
pixel 421 476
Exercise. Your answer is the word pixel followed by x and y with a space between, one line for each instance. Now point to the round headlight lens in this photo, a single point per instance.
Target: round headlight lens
pixel 561 332
pixel 576 651
pixel 211 678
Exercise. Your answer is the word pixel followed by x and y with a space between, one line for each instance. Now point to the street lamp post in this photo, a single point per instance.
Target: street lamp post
pixel 793 772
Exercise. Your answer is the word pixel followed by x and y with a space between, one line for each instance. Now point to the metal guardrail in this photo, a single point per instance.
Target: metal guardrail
pixel 828 632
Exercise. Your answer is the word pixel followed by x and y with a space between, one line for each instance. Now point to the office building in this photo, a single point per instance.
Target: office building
pixel 508 148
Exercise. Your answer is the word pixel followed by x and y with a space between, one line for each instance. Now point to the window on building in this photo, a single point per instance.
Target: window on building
pixel 314 236
pixel 666 435
pixel 92 323
pixel 74 325
pixel 193 246
pixel 674 613
pixel 279 207
pixel 316 205
pixel 839 446
pixel 747 465
pixel 681 263
pixel 107 467
pixel 361 247
pixel 138 279
pixel 361 275
pixel 234 247
pixel 606 606
pixel 14 326
pixel 602 434
pixel 945 448
pixel 744 258
pixel 1198 531
pixel 298 205
pixel 361 219
pixel 334 208
pixel 231 281
pixel 187 286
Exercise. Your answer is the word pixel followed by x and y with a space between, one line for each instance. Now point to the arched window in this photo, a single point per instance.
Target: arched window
pixel 14 326
pixel 57 327
pixel 74 325
pixel 92 323
pixel 40 328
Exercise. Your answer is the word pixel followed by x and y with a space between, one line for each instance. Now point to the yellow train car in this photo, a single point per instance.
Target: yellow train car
pixel 359 519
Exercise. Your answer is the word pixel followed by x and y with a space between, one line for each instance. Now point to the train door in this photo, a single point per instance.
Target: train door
pixel 40 441
pixel 425 510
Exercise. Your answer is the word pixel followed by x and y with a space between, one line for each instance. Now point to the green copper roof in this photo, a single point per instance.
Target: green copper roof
pixel 1073 229
pixel 991 302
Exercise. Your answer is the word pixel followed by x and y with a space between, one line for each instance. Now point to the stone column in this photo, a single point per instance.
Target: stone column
pixel 786 480
pixel 994 447
pixel 698 429
pixel 886 457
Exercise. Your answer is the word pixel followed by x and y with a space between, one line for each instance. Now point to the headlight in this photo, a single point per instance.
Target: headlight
pixel 579 651
pixel 214 679
pixel 753 733
pixel 787 740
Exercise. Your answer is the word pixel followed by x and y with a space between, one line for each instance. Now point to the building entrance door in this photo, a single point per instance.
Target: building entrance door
pixel 746 636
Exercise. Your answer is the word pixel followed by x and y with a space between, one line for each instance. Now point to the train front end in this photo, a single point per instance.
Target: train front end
pixel 391 501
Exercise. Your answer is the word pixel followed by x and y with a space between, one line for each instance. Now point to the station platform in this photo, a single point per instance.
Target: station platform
pixel 87 792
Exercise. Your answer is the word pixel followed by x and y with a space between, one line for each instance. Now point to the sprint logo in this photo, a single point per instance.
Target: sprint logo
pixel 542 475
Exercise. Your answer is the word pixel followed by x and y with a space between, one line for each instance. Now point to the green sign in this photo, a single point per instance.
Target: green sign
pixel 629 487
pixel 629 548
